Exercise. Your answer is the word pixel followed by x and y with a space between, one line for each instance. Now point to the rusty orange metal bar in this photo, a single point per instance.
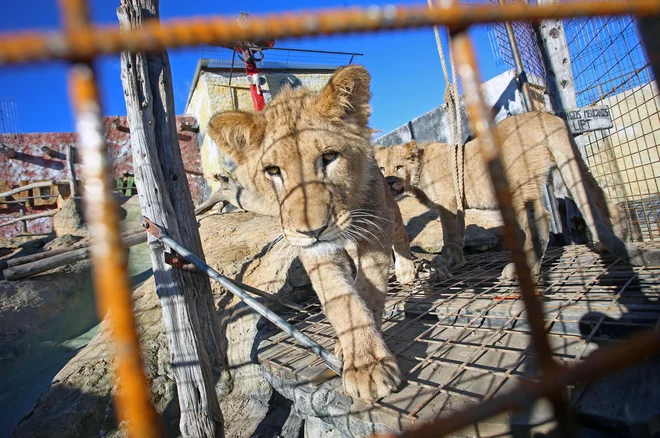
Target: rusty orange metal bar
pixel 86 42
pixel 108 253
pixel 489 143
pixel 490 147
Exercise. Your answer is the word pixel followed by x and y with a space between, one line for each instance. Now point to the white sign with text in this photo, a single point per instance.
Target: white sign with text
pixel 592 118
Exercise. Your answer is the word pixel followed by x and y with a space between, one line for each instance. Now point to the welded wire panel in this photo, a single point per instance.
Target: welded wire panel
pixel 466 339
pixel 610 67
pixel 8 116
pixel 525 38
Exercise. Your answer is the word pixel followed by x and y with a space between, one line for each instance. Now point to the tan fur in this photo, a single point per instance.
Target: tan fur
pixel 348 262
pixel 533 144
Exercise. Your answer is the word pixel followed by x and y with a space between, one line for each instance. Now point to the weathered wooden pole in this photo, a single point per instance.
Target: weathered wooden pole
pixel 186 300
pixel 557 60
pixel 70 159
pixel 561 89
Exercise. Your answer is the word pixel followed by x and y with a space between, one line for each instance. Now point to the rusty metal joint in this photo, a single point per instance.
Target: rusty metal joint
pixel 176 260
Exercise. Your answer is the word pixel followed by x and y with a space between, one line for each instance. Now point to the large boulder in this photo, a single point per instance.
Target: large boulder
pixel 483 228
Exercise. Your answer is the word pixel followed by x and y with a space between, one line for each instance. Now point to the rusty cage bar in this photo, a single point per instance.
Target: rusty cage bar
pixel 80 43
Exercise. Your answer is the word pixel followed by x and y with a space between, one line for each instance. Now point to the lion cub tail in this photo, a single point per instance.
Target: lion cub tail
pixel 606 221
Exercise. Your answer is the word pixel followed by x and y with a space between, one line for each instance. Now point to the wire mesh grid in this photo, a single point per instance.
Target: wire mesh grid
pixel 610 67
pixel 526 39
pixel 8 116
pixel 527 46
pixel 466 339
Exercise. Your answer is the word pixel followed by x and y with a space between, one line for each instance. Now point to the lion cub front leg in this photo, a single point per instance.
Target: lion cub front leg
pixel 404 267
pixel 370 371
pixel 452 250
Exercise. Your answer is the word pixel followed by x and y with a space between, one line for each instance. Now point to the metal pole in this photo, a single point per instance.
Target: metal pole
pixel 520 69
pixel 332 362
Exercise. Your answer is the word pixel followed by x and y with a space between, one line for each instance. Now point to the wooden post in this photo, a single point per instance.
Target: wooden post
pixel 561 88
pixel 186 299
pixel 23 222
pixel 70 157
pixel 557 60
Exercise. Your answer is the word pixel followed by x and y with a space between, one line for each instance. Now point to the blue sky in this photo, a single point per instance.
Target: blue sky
pixel 406 75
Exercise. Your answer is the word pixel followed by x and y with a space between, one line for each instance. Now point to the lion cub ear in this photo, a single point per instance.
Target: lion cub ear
pixel 412 150
pixel 346 96
pixel 235 133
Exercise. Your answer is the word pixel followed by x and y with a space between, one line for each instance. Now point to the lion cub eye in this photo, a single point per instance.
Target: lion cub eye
pixel 382 169
pixel 273 171
pixel 399 168
pixel 329 157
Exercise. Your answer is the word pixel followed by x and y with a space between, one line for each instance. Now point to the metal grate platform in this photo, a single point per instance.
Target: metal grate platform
pixel 466 339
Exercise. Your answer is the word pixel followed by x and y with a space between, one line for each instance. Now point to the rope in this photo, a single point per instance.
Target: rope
pixel 456 130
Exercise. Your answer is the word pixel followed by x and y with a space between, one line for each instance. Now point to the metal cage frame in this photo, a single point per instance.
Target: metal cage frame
pixel 80 43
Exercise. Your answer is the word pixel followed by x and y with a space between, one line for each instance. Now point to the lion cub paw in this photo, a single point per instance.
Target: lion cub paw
pixel 430 272
pixel 452 254
pixel 509 272
pixel 373 381
pixel 405 270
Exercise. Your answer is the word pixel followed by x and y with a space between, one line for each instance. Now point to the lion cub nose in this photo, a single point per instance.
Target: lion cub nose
pixel 390 180
pixel 313 233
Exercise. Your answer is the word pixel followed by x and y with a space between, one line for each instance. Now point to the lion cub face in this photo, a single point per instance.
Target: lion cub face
pixel 309 153
pixel 398 164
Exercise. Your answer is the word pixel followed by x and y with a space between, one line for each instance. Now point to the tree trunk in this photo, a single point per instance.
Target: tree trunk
pixel 128 238
pixel 186 299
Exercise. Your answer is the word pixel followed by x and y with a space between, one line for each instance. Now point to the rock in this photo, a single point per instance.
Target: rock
pixel 63 241
pixel 625 404
pixel 327 411
pixel 69 219
pixel 425 230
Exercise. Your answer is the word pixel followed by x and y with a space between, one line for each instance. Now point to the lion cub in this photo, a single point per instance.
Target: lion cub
pixel 533 145
pixel 309 159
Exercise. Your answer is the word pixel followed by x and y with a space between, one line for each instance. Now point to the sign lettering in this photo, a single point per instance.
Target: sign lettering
pixel 587 119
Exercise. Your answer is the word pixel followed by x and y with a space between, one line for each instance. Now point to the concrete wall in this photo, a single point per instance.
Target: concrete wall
pixel 212 95
pixel 502 94
pixel 32 165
